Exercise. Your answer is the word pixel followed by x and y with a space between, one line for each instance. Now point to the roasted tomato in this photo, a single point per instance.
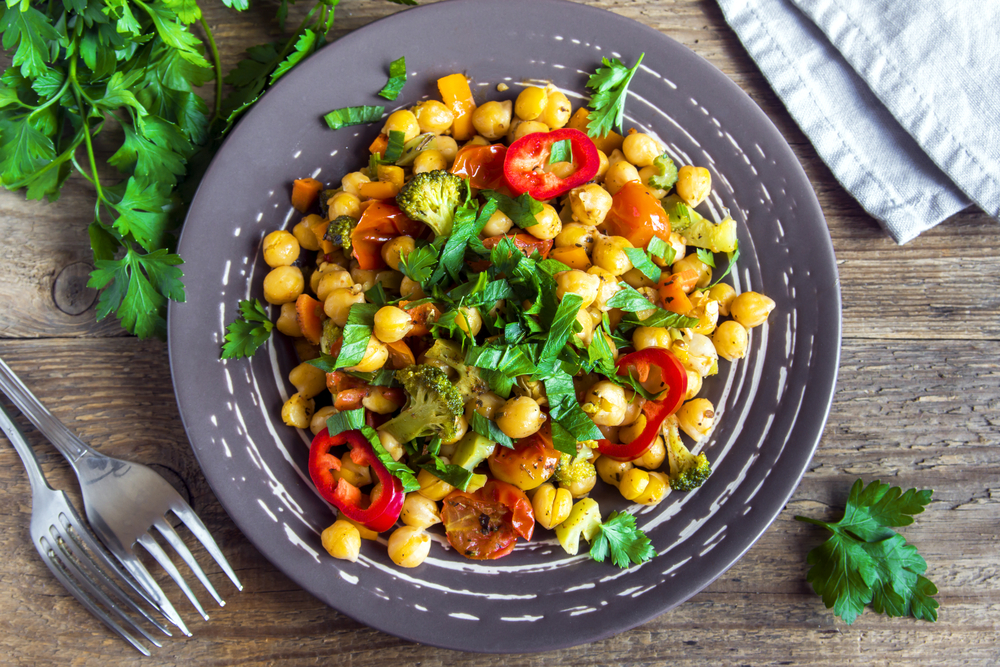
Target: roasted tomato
pixel 380 222
pixel 484 525
pixel 482 165
pixel 637 215
pixel 532 461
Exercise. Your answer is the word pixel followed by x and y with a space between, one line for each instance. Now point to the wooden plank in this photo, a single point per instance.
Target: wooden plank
pixel 917 413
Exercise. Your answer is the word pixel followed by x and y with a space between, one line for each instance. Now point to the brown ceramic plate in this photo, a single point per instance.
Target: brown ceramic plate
pixel 772 405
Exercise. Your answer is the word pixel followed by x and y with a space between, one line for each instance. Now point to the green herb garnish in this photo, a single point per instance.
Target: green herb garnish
pixel 397 79
pixel 610 86
pixel 620 537
pixel 347 116
pixel 247 332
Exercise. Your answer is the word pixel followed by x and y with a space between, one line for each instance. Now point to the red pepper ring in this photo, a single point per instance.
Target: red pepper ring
pixel 383 511
pixel 673 375
pixel 526 160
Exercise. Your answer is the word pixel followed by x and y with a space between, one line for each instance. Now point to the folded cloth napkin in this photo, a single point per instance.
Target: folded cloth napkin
pixel 900 98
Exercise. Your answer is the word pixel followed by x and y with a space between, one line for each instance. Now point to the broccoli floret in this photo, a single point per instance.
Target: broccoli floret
pixel 339 231
pixel 687 471
pixel 573 469
pixel 432 197
pixel 324 200
pixel 331 332
pixel 469 383
pixel 434 405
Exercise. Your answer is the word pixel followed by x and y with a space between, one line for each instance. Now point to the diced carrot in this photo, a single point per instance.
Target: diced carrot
pixel 380 144
pixel 378 190
pixel 457 96
pixel 305 192
pixel 672 292
pixel 605 144
pixel 307 310
pixel 573 257
pixel 421 315
pixel 319 230
pixel 400 355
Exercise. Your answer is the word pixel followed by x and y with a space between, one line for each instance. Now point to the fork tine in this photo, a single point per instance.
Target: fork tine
pixel 141 574
pixel 56 566
pixel 171 536
pixel 78 563
pixel 84 546
pixel 163 559
pixel 198 529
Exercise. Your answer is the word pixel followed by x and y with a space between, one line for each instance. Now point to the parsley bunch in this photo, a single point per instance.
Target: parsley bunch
pixel 865 562
pixel 82 66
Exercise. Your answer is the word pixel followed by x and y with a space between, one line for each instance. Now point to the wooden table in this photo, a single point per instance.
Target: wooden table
pixel 917 405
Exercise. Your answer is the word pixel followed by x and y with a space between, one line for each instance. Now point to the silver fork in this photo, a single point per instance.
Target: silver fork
pixel 124 501
pixel 71 552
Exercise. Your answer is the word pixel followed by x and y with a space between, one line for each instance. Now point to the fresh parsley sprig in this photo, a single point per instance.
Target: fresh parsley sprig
pixel 620 537
pixel 865 562
pixel 607 104
pixel 248 332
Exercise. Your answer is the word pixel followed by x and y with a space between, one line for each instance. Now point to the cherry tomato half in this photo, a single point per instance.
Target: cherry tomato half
pixel 532 461
pixel 637 215
pixel 380 222
pixel 482 165
pixel 484 525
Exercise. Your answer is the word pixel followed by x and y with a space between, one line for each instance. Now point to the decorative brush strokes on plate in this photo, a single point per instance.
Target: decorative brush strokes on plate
pixel 773 406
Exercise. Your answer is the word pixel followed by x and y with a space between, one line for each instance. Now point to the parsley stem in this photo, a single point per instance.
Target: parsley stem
pixel 84 125
pixel 216 64
pixel 55 98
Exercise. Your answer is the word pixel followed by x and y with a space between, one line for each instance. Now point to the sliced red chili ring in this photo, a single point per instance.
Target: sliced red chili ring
pixel 524 167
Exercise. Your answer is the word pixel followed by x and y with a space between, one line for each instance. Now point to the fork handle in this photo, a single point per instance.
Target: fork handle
pixel 24 450
pixel 64 439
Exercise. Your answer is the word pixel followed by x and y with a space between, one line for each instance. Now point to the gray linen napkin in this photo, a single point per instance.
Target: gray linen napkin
pixel 900 98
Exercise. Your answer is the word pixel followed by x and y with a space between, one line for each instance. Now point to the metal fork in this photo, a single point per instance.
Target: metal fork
pixel 71 552
pixel 124 501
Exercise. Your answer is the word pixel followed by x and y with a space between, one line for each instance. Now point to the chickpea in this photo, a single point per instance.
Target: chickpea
pixel 429 160
pixel 344 203
pixel 724 294
pixel 693 385
pixel 469 320
pixel 731 340
pixel 693 184
pixel 337 305
pixel 609 287
pixel 419 512
pixel 433 116
pixel 607 403
pixel 395 249
pixel 283 284
pixel 700 355
pixel 351 183
pixel 637 279
pixel 432 487
pixel 389 279
pixel 679 245
pixel 303 233
pixel 410 289
pixel 696 418
pixel 375 357
pixel 580 487
pixel 331 280
pixel 520 417
pixel 641 149
pixel 392 324
pixel 281 248
pixel 461 428
pixel 409 546
pixel 586 332
pixel 618 174
pixel 305 350
pixel 612 471
pixel 644 488
pixel 551 505
pixel 616 157
pixel 590 204
pixel 627 434
pixel 580 283
pixel 318 421
pixel 707 312
pixel 363 278
pixel 308 380
pixel 342 540
pixel 654 456
pixel 560 169
pixel 531 103
pixel 602 166
pixel 633 483
pixel 548 226
pixel 402 121
pixel 391 444
pixel 527 127
pixel 487 404
pixel 446 146
pixel 288 320
pixel 379 402
pixel 751 309
pixel 557 110
pixel 693 263
pixel 609 254
pixel 647 173
pixel 298 411
pixel 633 407
pixel 575 234
pixel 498 224
pixel 492 119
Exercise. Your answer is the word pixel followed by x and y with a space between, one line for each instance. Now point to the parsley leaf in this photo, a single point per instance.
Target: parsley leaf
pixel 347 116
pixel 489 430
pixel 706 256
pixel 351 420
pixel 397 79
pixel 521 210
pixel 641 261
pixel 620 537
pixel 561 151
pixel 419 265
pixel 657 247
pixel 357 333
pixel 865 562
pixel 248 331
pixel 610 86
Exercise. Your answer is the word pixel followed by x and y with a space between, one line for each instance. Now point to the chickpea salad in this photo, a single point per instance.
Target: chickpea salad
pixel 509 302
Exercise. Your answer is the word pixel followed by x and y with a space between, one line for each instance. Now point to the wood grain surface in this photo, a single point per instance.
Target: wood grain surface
pixel 917 405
